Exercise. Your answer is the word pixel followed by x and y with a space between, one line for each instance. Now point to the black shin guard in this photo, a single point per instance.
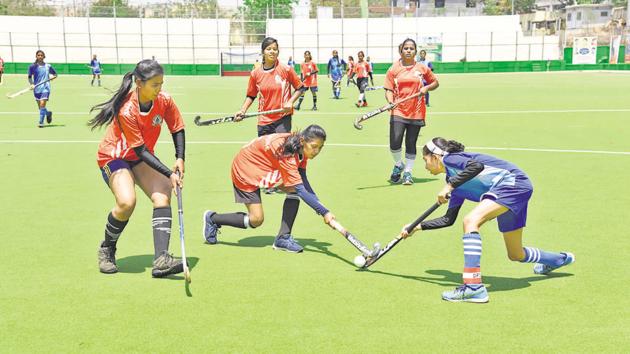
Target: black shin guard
pixel 162 220
pixel 113 229
pixel 231 219
pixel 289 213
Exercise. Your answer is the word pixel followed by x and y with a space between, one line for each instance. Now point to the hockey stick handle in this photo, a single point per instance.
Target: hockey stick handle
pixel 357 122
pixel 180 214
pixel 421 218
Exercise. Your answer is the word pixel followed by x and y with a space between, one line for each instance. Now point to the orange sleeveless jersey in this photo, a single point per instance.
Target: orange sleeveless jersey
pixel 274 87
pixel 257 166
pixel 350 67
pixel 138 128
pixel 306 68
pixel 362 69
pixel 406 81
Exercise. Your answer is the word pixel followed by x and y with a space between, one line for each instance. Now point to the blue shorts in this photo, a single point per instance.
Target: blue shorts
pixel 312 88
pixel 516 200
pixel 116 165
pixel 96 72
pixel 41 96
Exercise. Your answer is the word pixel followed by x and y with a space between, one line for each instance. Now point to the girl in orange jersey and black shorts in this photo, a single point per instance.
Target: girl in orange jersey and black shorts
pixel 350 72
pixel 309 77
pixel 271 160
pixel 126 158
pixel 362 70
pixel 272 83
pixel 405 78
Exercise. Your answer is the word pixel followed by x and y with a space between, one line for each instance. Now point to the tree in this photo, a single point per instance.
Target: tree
pixel 113 8
pixel 25 8
pixel 194 8
pixel 504 7
pixel 257 10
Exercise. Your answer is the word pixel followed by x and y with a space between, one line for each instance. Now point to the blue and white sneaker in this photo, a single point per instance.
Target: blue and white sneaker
pixel 287 243
pixel 467 293
pixel 407 179
pixel 210 228
pixel 540 268
pixel 396 173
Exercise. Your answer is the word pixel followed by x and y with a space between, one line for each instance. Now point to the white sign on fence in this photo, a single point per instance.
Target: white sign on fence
pixel 584 50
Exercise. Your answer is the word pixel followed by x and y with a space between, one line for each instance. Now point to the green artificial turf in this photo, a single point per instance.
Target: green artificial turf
pixel 245 297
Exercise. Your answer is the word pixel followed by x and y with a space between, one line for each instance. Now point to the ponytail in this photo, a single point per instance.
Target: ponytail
pixel 108 110
pixel 144 71
pixel 439 146
pixel 293 144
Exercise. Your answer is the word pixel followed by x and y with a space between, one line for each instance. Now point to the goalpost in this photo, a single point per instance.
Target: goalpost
pixel 238 63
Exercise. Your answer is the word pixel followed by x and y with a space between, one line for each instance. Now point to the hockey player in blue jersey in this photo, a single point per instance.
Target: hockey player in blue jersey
pixel 95 65
pixel 503 192
pixel 38 73
pixel 336 68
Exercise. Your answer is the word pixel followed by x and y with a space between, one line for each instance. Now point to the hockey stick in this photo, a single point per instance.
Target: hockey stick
pixel 25 90
pixel 373 88
pixel 180 213
pixel 358 120
pixel 365 250
pixel 228 119
pixel 383 251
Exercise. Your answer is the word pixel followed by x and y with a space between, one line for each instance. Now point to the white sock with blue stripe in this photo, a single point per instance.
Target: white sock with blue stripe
pixel 535 255
pixel 472 259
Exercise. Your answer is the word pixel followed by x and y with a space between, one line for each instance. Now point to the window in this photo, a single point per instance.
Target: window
pixel 579 16
pixel 439 3
pixel 569 16
pixel 604 14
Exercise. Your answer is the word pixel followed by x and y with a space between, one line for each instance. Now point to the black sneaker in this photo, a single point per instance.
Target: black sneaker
pixel 49 117
pixel 165 265
pixel 314 108
pixel 107 259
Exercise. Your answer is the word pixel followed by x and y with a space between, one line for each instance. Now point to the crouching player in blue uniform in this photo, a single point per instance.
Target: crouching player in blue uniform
pixel 503 192
pixel 39 72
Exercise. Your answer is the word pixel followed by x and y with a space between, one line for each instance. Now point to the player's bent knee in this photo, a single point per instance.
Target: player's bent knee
pixel 471 222
pixel 160 200
pixel 516 257
pixel 126 206
pixel 256 220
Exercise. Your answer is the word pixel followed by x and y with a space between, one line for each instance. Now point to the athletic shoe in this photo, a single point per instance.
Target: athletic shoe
pixel 210 228
pixel 165 265
pixel 396 172
pixel 49 117
pixel 314 108
pixel 358 104
pixel 407 179
pixel 287 243
pixel 540 268
pixel 364 104
pixel 467 293
pixel 40 125
pixel 270 190
pixel 107 259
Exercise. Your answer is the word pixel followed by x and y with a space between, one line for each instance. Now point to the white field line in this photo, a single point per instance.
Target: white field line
pixel 602 152
pixel 558 111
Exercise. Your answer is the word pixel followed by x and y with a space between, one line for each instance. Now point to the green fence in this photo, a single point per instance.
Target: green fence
pixel 379 68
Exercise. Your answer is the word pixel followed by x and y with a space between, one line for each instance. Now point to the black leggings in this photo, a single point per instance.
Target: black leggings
pixel 396 132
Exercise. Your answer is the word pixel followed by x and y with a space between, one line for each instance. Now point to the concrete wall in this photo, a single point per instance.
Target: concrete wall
pixel 121 40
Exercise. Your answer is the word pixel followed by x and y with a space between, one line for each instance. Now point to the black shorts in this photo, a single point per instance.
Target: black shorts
pixel 241 196
pixel 282 125
pixel 362 84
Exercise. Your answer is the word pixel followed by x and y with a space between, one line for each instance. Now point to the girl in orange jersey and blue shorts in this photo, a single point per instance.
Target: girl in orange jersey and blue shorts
pixel 126 158
pixel 309 77
pixel 271 160
pixel 405 78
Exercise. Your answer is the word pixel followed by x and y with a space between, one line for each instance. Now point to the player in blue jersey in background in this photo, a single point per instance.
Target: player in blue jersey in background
pixel 336 68
pixel 503 192
pixel 426 62
pixel 39 72
pixel 95 64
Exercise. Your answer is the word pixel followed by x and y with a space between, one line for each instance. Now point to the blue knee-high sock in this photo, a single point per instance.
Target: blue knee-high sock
pixel 472 259
pixel 535 255
pixel 42 115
